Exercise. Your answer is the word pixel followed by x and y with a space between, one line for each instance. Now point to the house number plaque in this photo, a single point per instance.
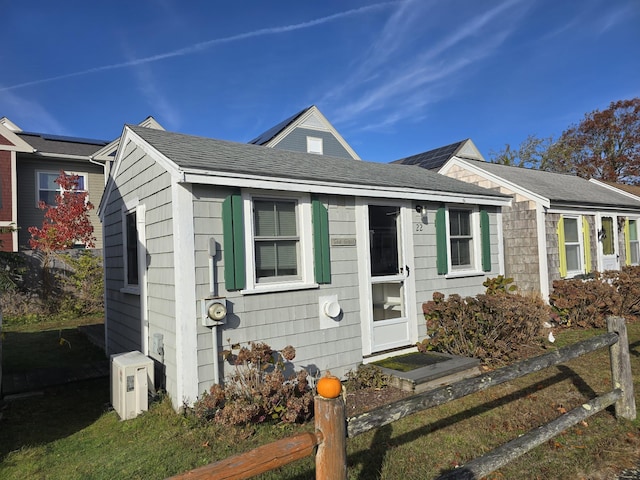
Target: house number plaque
pixel 343 242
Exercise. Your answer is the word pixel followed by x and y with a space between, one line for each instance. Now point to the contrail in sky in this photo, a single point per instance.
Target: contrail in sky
pixel 204 45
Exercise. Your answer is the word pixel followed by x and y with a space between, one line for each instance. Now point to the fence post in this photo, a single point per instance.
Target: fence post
pixel 621 369
pixel 330 422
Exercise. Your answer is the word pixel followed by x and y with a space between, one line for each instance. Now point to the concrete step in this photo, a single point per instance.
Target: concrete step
pixel 448 369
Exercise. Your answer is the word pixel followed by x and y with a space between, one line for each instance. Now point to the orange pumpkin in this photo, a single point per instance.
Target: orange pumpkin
pixel 329 386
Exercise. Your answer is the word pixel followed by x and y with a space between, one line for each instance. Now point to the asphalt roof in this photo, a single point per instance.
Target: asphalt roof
pixel 209 155
pixel 276 129
pixel 558 187
pixel 432 159
pixel 58 144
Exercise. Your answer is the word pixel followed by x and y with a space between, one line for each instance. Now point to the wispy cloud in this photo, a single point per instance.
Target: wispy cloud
pixel 27 112
pixel 397 79
pixel 201 46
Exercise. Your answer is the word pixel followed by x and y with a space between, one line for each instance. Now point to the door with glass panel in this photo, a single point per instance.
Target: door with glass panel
pixel 608 241
pixel 389 317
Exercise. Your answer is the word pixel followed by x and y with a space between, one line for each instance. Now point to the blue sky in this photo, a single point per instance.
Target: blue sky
pixel 395 78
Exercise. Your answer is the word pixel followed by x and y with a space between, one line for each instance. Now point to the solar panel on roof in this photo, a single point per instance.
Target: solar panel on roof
pixel 63 138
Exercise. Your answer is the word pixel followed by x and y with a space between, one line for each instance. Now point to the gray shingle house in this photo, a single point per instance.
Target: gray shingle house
pixel 558 226
pixel 331 255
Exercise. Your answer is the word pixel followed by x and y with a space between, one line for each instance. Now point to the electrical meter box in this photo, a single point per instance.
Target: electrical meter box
pixel 131 380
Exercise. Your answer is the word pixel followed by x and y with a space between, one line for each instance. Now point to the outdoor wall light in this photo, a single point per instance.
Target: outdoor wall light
pixel 422 210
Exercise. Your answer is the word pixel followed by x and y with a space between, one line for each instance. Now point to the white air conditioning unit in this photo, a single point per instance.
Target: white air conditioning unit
pixel 131 379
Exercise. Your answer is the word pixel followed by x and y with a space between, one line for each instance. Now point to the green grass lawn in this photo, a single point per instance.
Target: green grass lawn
pixel 71 433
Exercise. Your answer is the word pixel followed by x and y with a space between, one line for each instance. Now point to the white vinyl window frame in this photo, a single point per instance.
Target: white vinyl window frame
pixel 634 243
pixel 472 237
pixel 43 186
pixel 315 145
pixel 133 241
pixel 304 236
pixel 574 247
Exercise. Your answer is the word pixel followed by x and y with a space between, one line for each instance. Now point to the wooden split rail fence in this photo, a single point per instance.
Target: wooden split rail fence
pixel 332 429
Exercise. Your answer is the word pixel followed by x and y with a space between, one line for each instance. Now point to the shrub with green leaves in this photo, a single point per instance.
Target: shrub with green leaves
pixel 259 390
pixel 82 284
pixel 492 327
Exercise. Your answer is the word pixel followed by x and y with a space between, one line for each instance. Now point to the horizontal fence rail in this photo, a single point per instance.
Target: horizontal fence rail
pixel 332 429
pixel 502 455
pixel 432 398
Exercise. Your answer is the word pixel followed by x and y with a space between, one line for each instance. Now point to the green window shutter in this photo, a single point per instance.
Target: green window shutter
pixel 485 233
pixel 233 243
pixel 321 258
pixel 586 241
pixel 562 254
pixel 441 242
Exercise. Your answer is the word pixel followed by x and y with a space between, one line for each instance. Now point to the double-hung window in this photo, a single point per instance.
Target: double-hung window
pixel 463 241
pixel 574 245
pixel 276 240
pixel 634 243
pixel 47 188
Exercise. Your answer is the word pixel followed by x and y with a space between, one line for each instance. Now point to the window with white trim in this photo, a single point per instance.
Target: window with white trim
pixel 47 188
pixel 463 240
pixel 131 248
pixel 279 244
pixel 314 145
pixel 461 244
pixel 634 243
pixel 573 245
pixel 276 240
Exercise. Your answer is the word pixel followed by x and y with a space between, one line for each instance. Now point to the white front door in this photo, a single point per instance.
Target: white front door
pixel 386 286
pixel 608 243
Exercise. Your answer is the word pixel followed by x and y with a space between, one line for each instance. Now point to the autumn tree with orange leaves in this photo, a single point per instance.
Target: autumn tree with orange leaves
pixel 605 145
pixel 65 224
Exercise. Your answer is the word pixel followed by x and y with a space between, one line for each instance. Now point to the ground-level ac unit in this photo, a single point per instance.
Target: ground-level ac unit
pixel 131 380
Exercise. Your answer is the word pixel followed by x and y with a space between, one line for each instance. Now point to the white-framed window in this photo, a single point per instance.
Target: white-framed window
pixel 634 242
pixel 314 145
pixel 47 188
pixel 279 246
pixel 133 240
pixel 461 242
pixel 573 245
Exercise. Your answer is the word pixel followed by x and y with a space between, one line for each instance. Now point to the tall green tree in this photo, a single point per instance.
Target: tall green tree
pixel 532 153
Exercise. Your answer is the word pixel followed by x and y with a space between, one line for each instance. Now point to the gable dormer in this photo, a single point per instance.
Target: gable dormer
pixel 307 131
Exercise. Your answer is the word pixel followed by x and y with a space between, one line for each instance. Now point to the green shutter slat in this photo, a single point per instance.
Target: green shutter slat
pixel 485 233
pixel 233 242
pixel 441 242
pixel 322 260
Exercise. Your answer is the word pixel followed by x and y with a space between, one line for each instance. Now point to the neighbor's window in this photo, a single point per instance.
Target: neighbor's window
pixel 47 188
pixel 460 238
pixel 572 244
pixel 634 244
pixel 276 239
pixel 314 145
pixel 131 249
